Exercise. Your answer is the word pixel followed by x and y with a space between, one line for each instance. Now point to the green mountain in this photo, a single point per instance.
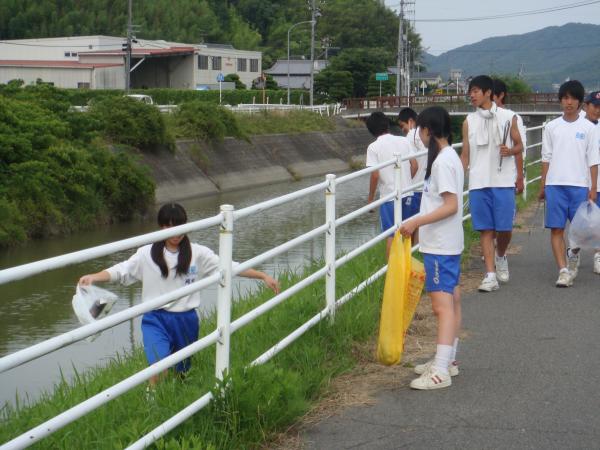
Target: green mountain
pixel 544 57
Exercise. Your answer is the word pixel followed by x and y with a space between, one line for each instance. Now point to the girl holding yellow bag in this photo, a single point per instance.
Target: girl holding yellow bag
pixel 442 242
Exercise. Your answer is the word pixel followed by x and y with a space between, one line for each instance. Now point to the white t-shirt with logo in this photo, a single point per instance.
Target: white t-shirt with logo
pixel 571 148
pixel 141 267
pixel 445 237
pixel 417 146
pixel 598 136
pixel 484 160
pixel 383 150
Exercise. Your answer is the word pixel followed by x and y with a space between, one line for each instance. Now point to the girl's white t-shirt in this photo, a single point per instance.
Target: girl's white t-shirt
pixel 417 146
pixel 571 148
pixel 141 267
pixel 383 150
pixel 484 160
pixel 445 237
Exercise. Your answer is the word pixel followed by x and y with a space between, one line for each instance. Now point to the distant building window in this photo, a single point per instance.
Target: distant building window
pixel 67 54
pixel 202 62
pixel 254 65
pixel 216 63
pixel 242 64
pixel 73 53
pixel 83 85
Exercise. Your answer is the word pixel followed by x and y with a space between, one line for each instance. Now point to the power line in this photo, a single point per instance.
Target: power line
pixel 513 14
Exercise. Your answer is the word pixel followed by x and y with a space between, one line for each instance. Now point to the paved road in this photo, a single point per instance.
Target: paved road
pixel 530 372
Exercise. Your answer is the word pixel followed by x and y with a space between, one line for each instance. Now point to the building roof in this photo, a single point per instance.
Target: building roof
pixel 296 66
pixel 148 52
pixel 57 64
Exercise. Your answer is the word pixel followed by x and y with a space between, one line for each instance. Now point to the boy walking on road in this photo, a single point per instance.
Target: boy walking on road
pixel 491 142
pixel 570 157
pixel 383 149
pixel 592 113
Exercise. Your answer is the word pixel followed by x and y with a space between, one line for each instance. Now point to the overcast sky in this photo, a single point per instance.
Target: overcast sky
pixel 441 37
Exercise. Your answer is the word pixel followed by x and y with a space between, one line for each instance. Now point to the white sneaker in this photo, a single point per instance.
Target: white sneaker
pixel 572 263
pixel 565 279
pixel 431 379
pixel 502 269
pixel 489 284
pixel 597 263
pixel 420 369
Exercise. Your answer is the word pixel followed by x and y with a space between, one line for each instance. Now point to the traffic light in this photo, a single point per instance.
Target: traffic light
pixel 125 46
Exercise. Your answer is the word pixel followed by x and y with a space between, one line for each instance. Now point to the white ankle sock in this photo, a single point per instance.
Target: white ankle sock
pixel 491 275
pixel 442 358
pixel 454 348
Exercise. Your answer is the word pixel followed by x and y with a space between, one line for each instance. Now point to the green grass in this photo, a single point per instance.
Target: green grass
pixel 260 401
pixel 274 122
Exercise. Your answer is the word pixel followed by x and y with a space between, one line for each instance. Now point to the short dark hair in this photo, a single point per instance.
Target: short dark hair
pixel 378 124
pixel 406 114
pixel 499 87
pixel 482 82
pixel 573 88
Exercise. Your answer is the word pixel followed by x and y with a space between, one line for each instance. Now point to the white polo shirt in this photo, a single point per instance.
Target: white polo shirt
pixel 141 267
pixel 571 148
pixel 445 237
pixel 383 150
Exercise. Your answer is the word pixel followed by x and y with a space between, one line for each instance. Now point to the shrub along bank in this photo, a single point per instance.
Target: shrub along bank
pixel 57 172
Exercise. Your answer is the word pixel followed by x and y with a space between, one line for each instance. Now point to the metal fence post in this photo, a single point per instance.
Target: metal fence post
pixel 330 245
pixel 224 292
pixel 398 187
pixel 525 172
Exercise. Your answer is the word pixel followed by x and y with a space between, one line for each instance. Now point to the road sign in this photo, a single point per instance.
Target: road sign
pixel 423 84
pixel 220 78
pixel 381 76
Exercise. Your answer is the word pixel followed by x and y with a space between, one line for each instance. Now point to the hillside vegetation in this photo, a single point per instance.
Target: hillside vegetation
pixel 547 56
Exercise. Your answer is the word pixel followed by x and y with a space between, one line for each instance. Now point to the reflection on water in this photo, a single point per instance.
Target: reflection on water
pixel 38 308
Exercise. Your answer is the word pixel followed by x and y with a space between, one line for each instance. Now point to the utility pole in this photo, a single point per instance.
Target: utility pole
pixel 128 57
pixel 313 17
pixel 400 56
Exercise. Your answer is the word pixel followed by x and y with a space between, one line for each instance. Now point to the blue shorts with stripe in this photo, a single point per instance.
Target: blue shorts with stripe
pixel 562 203
pixel 492 208
pixel 165 333
pixel 442 272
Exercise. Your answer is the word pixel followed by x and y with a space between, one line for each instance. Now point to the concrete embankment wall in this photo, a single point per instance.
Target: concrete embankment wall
pixel 199 169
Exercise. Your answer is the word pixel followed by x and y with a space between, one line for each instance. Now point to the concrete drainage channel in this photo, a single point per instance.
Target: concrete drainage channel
pixel 199 169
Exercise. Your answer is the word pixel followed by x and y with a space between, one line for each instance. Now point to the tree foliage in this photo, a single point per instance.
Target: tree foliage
pixel 205 122
pixel 56 174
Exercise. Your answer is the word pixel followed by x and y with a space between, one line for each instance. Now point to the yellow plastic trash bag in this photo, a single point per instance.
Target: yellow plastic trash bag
pixel 401 294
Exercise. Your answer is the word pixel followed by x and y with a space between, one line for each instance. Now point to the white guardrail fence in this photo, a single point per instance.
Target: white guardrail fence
pixel 221 336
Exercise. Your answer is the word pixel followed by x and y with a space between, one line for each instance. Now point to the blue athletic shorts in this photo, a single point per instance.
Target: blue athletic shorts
pixel 492 208
pixel 166 332
pixel 411 205
pixel 562 203
pixel 442 272
pixel 386 215
pixel 598 199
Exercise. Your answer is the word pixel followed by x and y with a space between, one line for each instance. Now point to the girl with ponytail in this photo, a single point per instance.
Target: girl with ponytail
pixel 163 267
pixel 441 243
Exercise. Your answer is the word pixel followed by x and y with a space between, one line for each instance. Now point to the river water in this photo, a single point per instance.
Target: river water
pixel 39 307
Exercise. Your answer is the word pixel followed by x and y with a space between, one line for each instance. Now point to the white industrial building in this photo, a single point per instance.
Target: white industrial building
pixel 299 72
pixel 98 62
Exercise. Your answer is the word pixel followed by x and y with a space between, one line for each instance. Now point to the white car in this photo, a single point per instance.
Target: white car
pixel 142 98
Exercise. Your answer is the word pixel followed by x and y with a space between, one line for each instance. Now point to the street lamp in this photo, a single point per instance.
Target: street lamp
pixel 288 55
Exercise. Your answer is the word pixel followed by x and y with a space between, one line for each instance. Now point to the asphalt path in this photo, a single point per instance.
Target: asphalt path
pixel 530 371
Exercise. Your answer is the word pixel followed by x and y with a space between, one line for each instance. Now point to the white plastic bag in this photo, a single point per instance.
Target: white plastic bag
pixel 91 303
pixel 585 228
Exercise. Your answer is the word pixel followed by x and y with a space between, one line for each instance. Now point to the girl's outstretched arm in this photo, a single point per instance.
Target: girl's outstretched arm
pixel 449 208
pixel 94 277
pixel 271 282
